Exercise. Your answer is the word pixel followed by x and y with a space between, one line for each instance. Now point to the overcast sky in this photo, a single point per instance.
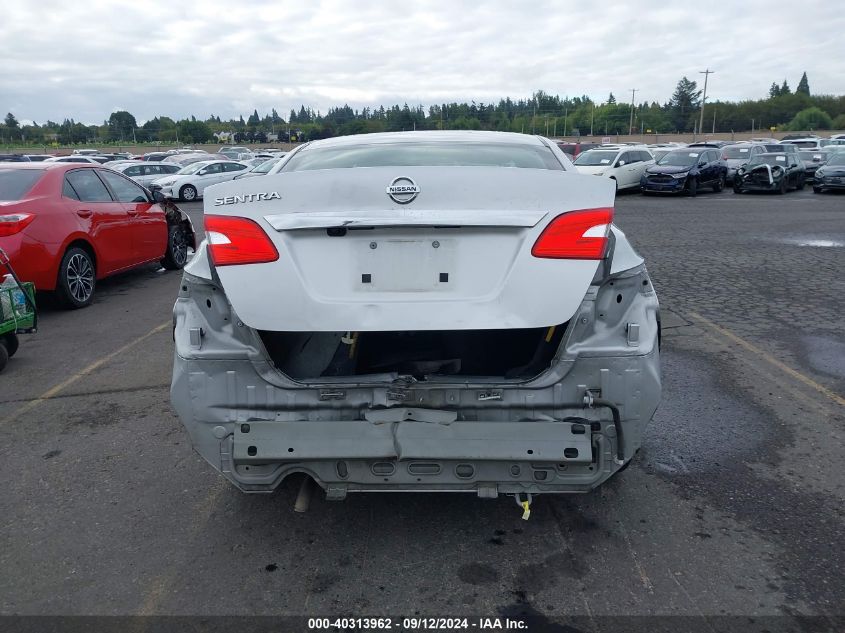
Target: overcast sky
pixel 176 58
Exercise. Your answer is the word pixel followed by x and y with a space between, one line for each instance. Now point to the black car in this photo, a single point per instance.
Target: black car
pixel 831 175
pixel 716 144
pixel 106 158
pixel 13 158
pixel 813 159
pixel 686 170
pixel 156 156
pixel 770 172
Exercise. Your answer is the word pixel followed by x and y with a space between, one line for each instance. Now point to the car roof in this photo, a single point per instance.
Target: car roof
pixel 444 136
pixel 206 162
pixel 45 165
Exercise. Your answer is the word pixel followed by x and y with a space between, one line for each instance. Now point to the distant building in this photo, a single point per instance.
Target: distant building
pixel 225 137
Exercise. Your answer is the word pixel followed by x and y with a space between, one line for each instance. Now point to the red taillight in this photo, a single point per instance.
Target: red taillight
pixel 575 235
pixel 233 240
pixel 14 223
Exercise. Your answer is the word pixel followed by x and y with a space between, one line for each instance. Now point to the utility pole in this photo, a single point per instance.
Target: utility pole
pixel 714 120
pixel 565 114
pixel 533 114
pixel 706 74
pixel 631 122
pixel 592 117
pixel 547 124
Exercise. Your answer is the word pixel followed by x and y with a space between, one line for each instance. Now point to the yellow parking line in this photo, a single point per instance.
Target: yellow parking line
pixel 797 375
pixel 160 586
pixel 80 374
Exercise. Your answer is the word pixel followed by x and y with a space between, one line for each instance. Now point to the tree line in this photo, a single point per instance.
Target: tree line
pixel 542 113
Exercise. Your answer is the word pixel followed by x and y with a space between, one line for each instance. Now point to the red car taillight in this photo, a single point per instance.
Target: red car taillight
pixel 233 240
pixel 14 223
pixel 575 235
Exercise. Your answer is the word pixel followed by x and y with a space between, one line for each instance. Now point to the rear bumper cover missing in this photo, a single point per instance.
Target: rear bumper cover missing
pixel 256 426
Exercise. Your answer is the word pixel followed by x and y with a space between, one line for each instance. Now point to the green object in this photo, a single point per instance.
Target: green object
pixel 17 315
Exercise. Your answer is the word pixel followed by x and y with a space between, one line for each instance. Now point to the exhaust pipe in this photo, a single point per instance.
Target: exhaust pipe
pixel 303 498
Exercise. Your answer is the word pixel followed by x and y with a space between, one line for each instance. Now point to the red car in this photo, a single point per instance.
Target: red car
pixel 66 225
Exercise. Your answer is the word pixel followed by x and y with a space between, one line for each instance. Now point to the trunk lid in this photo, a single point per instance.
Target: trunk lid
pixel 456 257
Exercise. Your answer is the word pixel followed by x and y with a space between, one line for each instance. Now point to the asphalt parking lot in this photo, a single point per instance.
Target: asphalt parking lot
pixel 734 505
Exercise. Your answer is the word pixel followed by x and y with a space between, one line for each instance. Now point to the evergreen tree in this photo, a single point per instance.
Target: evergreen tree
pixel 784 89
pixel 774 91
pixel 611 99
pixel 803 85
pixel 684 101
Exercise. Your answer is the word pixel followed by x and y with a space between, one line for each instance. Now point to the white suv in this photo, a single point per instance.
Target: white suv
pixel 624 164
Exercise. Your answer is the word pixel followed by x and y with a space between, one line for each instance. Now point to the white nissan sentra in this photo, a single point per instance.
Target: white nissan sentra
pixel 417 311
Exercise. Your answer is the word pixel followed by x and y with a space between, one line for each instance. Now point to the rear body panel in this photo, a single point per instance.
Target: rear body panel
pixel 458 258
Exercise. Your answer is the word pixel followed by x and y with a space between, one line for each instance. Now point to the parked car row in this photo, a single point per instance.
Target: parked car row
pixel 758 165
pixel 184 175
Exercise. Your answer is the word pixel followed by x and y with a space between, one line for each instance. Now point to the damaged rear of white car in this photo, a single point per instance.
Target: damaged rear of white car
pixel 433 311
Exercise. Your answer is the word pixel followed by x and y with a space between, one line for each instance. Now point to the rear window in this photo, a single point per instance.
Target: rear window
pixel 736 152
pixel 768 159
pixel 596 157
pixel 15 183
pixel 425 155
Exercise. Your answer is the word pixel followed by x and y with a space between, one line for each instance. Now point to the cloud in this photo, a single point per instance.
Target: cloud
pixel 216 57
